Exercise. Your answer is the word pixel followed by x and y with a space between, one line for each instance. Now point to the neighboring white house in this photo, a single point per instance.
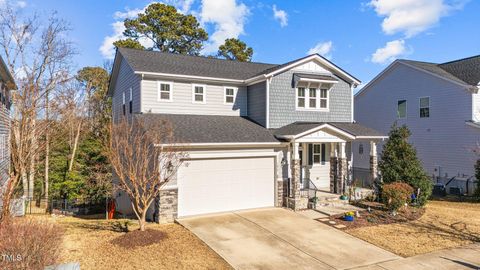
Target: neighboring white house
pixel 439 103
pixel 258 135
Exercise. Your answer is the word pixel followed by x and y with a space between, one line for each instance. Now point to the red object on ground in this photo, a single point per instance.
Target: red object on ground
pixel 111 209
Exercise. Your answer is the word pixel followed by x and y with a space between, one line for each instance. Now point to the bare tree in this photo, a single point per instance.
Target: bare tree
pixel 39 57
pixel 144 156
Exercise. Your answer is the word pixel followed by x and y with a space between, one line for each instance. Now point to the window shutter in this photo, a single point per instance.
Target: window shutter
pixel 323 152
pixel 310 154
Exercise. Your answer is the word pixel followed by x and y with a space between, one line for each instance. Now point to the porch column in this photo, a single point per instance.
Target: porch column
pixel 333 167
pixel 342 169
pixel 373 161
pixel 294 201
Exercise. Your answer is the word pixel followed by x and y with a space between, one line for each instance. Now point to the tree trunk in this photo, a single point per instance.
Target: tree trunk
pixel 31 177
pixel 25 183
pixel 142 221
pixel 75 145
pixel 47 149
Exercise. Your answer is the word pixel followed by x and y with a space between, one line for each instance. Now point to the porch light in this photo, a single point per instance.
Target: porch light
pixel 283 162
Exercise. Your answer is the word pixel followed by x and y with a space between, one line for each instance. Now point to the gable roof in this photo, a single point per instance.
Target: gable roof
pixel 212 129
pixel 464 72
pixel 154 62
pixel 5 74
pixel 353 129
pixel 160 62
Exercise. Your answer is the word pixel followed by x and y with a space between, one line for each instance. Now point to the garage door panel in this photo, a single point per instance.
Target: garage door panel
pixel 218 185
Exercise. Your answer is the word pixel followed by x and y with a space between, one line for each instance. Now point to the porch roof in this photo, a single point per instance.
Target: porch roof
pixel 299 129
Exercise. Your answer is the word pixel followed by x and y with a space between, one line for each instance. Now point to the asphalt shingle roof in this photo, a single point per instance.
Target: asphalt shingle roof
pixel 159 62
pixel 212 128
pixel 354 129
pixel 465 71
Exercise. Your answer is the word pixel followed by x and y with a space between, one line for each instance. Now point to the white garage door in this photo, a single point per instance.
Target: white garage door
pixel 219 185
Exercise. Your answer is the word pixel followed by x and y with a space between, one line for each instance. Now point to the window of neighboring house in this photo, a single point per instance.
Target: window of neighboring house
pixel 323 98
pixel 130 104
pixel 360 149
pixel 198 93
pixel 402 109
pixel 165 91
pixel 123 102
pixel 3 152
pixel 301 97
pixel 424 107
pixel 229 95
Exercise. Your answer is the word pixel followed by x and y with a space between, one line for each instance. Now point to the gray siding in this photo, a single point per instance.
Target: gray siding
pixel 182 99
pixel 443 139
pixel 126 78
pixel 257 102
pixel 282 103
pixel 5 135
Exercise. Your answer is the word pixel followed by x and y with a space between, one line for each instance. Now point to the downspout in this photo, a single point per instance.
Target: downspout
pixel 267 103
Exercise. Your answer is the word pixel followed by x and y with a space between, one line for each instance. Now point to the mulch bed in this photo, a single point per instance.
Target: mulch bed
pixel 377 215
pixel 138 238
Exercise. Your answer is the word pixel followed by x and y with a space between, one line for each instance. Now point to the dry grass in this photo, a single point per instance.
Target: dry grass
pixel 90 243
pixel 444 225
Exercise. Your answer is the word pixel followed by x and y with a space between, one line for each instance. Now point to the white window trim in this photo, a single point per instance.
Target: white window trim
pixel 420 106
pixel 123 98
pixel 316 154
pixel 406 109
pixel 235 91
pixel 158 91
pixel 307 100
pixel 131 94
pixel 204 93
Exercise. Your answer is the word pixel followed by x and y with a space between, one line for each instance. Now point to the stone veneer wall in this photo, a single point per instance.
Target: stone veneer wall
pixel 281 192
pixel 342 174
pixel 168 206
pixel 373 168
pixel 333 173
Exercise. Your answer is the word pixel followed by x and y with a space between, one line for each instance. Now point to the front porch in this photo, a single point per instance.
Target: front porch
pixel 319 160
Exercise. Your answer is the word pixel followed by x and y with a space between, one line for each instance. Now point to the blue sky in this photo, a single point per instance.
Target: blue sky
pixel 362 37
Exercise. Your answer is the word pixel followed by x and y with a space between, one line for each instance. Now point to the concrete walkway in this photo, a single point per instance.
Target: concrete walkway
pixel 467 257
pixel 281 239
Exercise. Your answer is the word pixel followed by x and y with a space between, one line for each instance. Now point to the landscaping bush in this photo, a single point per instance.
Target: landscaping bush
pixel 29 244
pixel 396 194
pixel 477 175
pixel 400 163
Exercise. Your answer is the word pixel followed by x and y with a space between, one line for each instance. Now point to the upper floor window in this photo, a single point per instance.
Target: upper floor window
pixel 324 98
pixel 130 104
pixel 424 107
pixel 165 91
pixel 402 108
pixel 123 103
pixel 312 98
pixel 229 95
pixel 198 93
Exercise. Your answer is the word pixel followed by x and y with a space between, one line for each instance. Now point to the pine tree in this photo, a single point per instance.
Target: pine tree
pixel 399 163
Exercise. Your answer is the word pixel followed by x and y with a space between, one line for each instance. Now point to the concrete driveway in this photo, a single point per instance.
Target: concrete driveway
pixel 281 239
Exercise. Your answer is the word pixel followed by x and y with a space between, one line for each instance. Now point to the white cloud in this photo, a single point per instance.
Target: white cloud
pixel 391 51
pixel 228 19
pixel 280 15
pixel 322 48
pixel 412 17
pixel 21 4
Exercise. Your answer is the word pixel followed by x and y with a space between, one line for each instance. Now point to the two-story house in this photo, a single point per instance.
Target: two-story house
pixel 257 134
pixel 7 84
pixel 440 104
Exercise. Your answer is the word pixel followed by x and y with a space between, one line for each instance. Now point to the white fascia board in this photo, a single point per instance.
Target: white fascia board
pixel 220 145
pixel 256 79
pixel 192 155
pixel 190 77
pixel 307 59
pixel 372 137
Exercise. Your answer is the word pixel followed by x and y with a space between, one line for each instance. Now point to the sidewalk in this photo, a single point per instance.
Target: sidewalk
pixel 467 257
